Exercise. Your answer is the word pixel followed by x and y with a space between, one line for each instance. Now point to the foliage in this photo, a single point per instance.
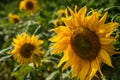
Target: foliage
pixel 40 24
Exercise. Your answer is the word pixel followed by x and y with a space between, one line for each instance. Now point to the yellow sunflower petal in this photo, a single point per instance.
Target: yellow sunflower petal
pixel 105 29
pixel 69 23
pixel 72 59
pixel 56 38
pixel 22 6
pixel 82 13
pixel 94 68
pixel 84 70
pixel 63 42
pixel 76 67
pixel 105 57
pixel 74 17
pixel 103 19
pixel 92 20
pixel 62 29
pixel 66 14
pixel 71 12
pixel 98 61
pixel 106 41
pixel 110 49
pixel 65 57
pixel 63 32
pixel 67 64
pixel 110 26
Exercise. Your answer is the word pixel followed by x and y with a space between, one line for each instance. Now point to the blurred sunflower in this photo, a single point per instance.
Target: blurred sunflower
pixel 85 41
pixel 13 18
pixel 30 6
pixel 61 13
pixel 27 49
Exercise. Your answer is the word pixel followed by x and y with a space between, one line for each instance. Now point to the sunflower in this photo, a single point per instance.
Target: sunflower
pixel 85 42
pixel 61 13
pixel 30 6
pixel 13 18
pixel 26 49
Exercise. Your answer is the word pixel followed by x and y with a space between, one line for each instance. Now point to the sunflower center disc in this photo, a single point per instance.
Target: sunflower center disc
pixel 26 50
pixel 29 5
pixel 16 20
pixel 85 43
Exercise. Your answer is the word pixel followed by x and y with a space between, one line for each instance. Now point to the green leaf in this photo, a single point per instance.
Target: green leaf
pixel 21 73
pixel 52 76
pixel 4 57
pixel 4 50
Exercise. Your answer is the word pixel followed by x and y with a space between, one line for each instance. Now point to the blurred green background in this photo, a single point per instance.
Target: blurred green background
pixel 40 24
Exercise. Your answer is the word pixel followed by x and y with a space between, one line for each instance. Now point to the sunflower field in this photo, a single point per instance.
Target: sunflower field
pixel 59 40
